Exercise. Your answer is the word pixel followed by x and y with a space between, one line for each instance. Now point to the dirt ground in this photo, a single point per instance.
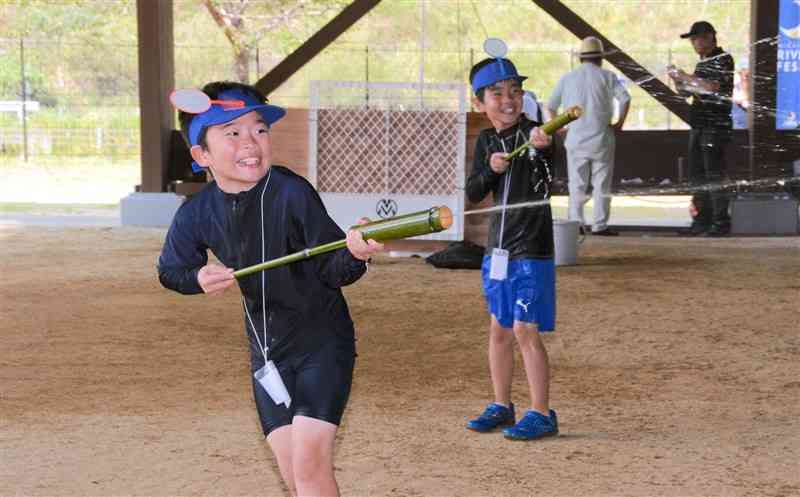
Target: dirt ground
pixel 676 372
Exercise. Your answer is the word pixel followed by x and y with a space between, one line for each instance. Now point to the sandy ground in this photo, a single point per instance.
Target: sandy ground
pixel 676 372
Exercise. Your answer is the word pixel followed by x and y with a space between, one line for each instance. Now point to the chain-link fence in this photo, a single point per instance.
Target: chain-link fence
pixel 55 101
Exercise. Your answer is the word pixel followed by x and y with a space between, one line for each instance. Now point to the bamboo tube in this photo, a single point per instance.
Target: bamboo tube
pixel 425 222
pixel 551 127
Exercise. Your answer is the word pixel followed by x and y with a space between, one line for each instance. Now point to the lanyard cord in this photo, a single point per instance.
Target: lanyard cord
pixel 507 186
pixel 264 349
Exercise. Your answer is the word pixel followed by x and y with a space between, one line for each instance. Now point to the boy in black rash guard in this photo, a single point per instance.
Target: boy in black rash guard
pixel 518 268
pixel 295 316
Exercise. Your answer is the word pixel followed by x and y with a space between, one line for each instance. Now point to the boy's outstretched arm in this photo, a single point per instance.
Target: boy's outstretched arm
pixel 312 227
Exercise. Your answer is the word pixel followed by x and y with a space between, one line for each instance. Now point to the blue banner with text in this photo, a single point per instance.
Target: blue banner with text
pixel 787 113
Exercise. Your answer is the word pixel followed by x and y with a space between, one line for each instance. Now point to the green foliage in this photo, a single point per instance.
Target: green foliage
pixel 11 76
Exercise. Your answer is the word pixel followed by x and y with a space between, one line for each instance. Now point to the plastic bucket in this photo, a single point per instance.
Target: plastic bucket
pixel 565 236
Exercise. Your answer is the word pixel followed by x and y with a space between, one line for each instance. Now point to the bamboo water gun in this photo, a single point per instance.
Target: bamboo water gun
pixel 433 220
pixel 551 127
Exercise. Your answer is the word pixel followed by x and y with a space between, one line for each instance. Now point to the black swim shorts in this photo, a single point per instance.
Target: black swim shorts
pixel 318 383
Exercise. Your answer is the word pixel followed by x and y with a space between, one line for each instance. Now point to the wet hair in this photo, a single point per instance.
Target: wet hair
pixel 213 90
pixel 480 65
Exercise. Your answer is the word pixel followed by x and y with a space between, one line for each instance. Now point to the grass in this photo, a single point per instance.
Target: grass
pixel 67 180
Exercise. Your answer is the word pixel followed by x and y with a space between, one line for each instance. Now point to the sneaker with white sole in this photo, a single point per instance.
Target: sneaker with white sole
pixel 493 417
pixel 532 426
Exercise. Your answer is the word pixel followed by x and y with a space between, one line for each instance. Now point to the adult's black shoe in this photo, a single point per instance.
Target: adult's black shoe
pixel 698 230
pixel 716 232
pixel 605 232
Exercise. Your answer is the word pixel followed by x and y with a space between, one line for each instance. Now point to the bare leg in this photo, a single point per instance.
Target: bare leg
pixel 280 441
pixel 312 457
pixel 537 365
pixel 501 361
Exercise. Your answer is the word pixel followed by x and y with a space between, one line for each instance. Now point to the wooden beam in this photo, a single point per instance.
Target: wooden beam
pixel 314 45
pixel 618 58
pixel 156 81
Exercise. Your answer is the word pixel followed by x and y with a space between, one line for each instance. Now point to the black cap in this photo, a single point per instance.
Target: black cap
pixel 699 28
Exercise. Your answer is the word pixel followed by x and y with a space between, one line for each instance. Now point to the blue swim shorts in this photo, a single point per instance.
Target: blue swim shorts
pixel 528 293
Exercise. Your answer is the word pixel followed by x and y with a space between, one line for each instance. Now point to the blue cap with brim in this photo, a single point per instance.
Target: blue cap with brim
pixel 500 70
pixel 221 114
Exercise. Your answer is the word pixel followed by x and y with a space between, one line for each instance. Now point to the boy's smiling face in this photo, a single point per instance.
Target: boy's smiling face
pixel 239 153
pixel 502 103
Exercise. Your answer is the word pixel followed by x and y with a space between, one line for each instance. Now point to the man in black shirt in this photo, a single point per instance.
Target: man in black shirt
pixel 711 90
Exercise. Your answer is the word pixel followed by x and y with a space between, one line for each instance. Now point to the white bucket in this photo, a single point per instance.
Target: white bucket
pixel 565 235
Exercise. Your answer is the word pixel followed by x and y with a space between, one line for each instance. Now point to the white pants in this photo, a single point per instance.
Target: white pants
pixel 579 170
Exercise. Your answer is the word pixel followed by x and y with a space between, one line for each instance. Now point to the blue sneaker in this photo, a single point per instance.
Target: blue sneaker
pixel 554 419
pixel 493 417
pixel 532 426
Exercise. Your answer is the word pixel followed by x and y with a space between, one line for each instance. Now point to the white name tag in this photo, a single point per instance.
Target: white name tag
pixel 270 378
pixel 498 269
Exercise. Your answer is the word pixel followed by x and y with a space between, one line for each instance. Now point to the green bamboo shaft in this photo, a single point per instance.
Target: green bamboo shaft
pixel 551 127
pixel 432 220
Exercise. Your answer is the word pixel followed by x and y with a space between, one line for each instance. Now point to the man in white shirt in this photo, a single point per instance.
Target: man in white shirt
pixel 591 139
pixel 531 107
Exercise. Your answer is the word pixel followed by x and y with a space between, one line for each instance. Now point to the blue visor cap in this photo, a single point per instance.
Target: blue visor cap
pixel 220 114
pixel 499 70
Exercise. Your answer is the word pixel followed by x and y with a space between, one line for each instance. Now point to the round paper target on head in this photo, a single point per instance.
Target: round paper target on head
pixel 191 100
pixel 495 47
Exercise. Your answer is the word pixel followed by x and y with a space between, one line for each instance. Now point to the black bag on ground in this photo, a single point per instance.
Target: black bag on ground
pixel 458 255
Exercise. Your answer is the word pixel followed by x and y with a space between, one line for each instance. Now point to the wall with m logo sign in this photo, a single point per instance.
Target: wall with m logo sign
pixel 386 208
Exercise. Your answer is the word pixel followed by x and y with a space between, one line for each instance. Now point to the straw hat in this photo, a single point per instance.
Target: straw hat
pixel 591 47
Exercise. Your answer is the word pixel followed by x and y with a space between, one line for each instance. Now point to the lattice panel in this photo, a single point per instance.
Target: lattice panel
pixel 351 151
pixel 423 152
pixel 387 151
pixel 388 148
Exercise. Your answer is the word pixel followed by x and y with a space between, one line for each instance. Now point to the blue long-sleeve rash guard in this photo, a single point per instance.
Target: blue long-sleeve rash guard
pixel 303 305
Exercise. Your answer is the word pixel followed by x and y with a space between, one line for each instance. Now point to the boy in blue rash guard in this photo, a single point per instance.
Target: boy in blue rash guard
pixel 518 268
pixel 295 316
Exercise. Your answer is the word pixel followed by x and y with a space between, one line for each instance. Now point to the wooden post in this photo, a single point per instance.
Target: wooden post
pixel 156 81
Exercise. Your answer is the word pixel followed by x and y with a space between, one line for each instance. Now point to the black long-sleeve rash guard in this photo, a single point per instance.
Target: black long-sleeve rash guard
pixel 528 232
pixel 303 302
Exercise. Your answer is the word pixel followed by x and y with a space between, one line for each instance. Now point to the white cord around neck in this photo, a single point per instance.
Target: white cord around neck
pixel 263 347
pixel 507 187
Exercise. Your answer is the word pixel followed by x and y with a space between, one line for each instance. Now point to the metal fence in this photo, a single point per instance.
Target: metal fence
pixel 54 102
